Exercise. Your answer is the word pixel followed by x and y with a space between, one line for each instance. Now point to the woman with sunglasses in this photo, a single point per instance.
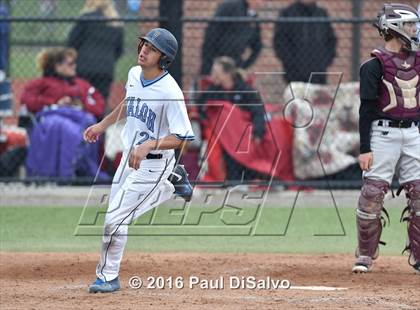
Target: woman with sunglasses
pixel 65 106
pixel 59 85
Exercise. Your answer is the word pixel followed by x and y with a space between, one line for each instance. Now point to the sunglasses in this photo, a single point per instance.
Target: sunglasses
pixel 69 63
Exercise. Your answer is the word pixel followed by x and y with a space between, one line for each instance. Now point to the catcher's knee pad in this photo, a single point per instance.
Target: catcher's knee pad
pixel 412 191
pixel 368 217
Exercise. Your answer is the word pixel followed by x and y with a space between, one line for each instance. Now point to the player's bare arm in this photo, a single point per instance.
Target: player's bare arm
pixel 93 132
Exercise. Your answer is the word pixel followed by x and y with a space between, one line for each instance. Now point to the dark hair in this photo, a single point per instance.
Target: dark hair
pixel 47 59
pixel 387 37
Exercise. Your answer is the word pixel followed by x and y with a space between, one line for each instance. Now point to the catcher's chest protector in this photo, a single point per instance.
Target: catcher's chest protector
pixel 399 91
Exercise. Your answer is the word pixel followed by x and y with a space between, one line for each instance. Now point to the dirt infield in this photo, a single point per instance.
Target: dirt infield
pixel 60 281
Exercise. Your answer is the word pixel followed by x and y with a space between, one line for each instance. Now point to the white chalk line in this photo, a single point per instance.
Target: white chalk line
pixel 317 288
pixel 293 287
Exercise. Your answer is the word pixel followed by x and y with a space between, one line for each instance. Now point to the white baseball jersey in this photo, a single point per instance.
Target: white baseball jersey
pixel 155 109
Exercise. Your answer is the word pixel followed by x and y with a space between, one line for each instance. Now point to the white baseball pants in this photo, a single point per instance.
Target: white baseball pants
pixel 133 193
pixel 395 150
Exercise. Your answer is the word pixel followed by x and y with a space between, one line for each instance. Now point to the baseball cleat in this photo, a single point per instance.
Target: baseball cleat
pixel 179 178
pixel 100 286
pixel 363 264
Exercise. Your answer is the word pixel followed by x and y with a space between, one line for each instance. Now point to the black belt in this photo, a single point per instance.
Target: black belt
pixel 154 156
pixel 398 124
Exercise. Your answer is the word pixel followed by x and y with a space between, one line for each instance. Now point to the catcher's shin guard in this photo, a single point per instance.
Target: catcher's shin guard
pixel 412 191
pixel 368 217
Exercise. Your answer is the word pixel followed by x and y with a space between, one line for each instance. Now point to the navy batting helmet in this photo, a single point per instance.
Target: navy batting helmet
pixel 165 42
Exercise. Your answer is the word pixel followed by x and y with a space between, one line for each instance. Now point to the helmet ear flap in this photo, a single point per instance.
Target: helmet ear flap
pixel 380 24
pixel 164 61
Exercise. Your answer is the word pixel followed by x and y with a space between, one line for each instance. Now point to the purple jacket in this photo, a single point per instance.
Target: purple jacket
pixel 399 90
pixel 57 148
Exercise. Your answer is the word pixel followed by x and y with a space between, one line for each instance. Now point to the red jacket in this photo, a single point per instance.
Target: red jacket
pixel 48 90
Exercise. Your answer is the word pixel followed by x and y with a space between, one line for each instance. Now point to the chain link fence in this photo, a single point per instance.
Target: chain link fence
pixel 300 58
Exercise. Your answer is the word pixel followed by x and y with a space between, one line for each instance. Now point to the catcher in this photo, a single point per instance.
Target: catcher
pixel 389 132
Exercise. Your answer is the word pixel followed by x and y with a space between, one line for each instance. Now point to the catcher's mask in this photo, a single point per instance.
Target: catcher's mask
pixel 164 41
pixel 391 19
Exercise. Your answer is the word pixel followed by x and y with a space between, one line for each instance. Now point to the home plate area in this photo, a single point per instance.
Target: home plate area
pixel 60 280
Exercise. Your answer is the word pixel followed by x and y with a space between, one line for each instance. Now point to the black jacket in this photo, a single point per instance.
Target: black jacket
pixel 243 95
pixel 98 46
pixel 304 47
pixel 231 39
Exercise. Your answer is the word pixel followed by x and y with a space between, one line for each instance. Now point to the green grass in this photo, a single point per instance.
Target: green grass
pixel 22 64
pixel 41 31
pixel 32 7
pixel 53 229
pixel 28 38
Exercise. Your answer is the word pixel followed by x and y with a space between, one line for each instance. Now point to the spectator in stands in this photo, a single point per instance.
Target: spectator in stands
pixel 133 6
pixel 98 44
pixel 13 149
pixel 232 39
pixel 304 48
pixel 65 105
pixel 229 85
pixel 4 40
pixel 59 84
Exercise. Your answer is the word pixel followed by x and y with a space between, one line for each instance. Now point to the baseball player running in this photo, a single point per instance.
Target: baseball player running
pixel 156 124
pixel 389 132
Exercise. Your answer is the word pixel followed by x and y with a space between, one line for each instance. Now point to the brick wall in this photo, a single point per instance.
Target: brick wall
pixel 193 37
